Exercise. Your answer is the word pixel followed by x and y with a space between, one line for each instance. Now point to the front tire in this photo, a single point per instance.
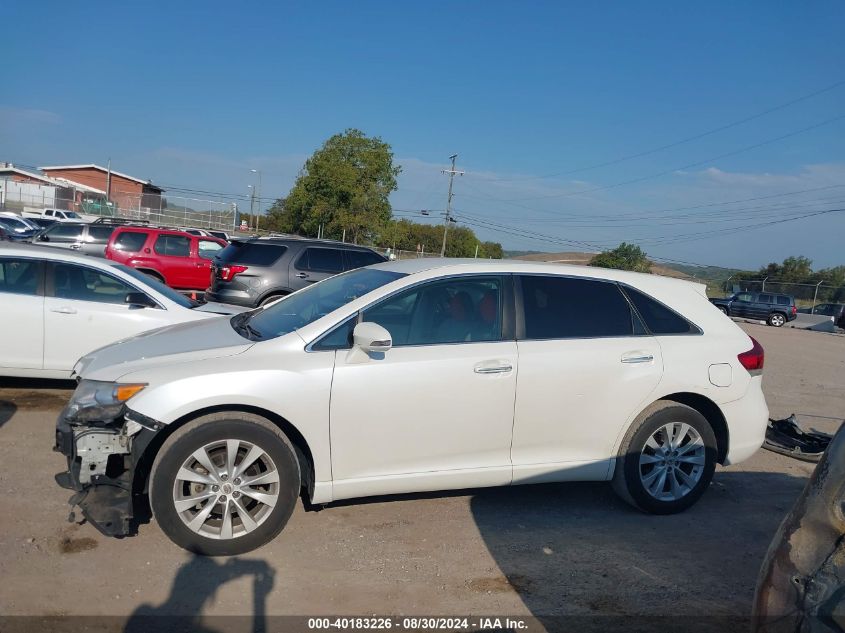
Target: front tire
pixel 224 484
pixel 776 319
pixel 666 460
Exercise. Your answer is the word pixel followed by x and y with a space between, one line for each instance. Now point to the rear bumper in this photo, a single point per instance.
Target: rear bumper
pixel 233 297
pixel 747 419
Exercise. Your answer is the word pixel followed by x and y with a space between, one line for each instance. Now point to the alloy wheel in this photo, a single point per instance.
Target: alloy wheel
pixel 672 461
pixel 226 489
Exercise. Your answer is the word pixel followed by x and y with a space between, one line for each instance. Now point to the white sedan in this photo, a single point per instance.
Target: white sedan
pixel 412 376
pixel 55 307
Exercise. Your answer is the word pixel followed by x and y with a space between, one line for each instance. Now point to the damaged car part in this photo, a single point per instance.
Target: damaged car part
pixel 801 587
pixel 788 438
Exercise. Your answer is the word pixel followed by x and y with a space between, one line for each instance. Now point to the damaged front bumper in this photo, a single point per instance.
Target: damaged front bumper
pixel 102 460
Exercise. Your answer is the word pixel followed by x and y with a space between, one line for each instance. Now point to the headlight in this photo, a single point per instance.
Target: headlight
pixel 95 400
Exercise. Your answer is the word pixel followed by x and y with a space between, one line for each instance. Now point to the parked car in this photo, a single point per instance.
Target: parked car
pixel 835 310
pixel 402 377
pixel 220 235
pixel 254 272
pixel 42 223
pixel 17 227
pixel 774 309
pixel 179 259
pixel 89 238
pixel 59 306
pixel 4 235
pixel 59 215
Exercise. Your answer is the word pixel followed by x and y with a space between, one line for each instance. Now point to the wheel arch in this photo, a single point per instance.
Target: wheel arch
pixel 711 412
pixel 152 272
pixel 275 292
pixel 143 467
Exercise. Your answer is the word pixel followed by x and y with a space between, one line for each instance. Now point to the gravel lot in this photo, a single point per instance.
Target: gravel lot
pixel 541 550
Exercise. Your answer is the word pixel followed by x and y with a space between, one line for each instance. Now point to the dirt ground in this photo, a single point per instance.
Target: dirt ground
pixel 531 550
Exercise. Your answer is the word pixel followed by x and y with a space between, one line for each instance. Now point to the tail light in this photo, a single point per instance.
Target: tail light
pixel 227 273
pixel 752 360
pixel 794 310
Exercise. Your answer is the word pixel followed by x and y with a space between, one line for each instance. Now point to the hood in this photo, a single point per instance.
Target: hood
pixel 181 343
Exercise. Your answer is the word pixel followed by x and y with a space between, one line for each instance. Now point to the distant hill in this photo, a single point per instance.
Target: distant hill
pixel 583 259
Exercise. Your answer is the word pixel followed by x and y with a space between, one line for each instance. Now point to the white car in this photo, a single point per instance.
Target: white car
pixel 410 376
pixel 56 306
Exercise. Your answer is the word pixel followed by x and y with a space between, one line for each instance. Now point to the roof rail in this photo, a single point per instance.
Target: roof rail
pixel 109 220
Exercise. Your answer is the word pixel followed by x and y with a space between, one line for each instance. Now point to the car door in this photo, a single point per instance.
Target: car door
pixel 85 309
pixel 742 304
pixel 174 260
pixel 64 235
pixel 762 306
pixel 436 410
pixel 96 238
pixel 206 250
pixel 315 264
pixel 21 313
pixel 586 366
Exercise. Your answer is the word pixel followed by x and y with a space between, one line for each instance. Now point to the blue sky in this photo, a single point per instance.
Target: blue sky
pixel 194 96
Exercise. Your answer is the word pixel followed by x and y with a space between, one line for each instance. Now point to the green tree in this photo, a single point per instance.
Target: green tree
pixel 344 187
pixel 624 257
pixel 793 269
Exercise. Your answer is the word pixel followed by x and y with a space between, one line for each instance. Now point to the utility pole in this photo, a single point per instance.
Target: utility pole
pixel 257 195
pixel 108 182
pixel 451 173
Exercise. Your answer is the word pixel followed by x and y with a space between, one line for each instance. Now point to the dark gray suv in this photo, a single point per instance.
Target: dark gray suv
pixel 253 272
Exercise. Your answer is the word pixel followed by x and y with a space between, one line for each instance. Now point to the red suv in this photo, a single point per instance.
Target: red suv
pixel 179 259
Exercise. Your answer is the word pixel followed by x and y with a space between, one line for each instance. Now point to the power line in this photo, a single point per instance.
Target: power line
pixel 674 169
pixel 688 139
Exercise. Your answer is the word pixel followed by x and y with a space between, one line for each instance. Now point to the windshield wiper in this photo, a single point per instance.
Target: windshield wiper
pixel 240 323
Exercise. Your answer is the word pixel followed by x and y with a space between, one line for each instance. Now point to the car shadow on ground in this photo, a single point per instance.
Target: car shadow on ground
pixel 582 559
pixel 32 394
pixel 7 410
pixel 195 586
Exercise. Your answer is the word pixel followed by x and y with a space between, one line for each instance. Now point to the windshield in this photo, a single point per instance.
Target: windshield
pixel 159 287
pixel 308 305
pixel 16 224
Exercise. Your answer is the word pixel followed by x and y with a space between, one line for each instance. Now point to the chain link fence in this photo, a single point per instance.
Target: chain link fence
pixel 159 210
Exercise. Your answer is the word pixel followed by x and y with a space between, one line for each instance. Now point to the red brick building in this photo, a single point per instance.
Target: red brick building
pixel 126 192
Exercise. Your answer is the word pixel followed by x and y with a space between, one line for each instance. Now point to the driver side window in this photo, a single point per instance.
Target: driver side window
pixel 459 310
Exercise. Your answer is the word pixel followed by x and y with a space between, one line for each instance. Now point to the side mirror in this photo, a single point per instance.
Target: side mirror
pixel 43 238
pixel 371 337
pixel 139 300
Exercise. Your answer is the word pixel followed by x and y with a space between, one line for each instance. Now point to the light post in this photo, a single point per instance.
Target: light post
pixel 251 202
pixel 257 195
pixel 815 296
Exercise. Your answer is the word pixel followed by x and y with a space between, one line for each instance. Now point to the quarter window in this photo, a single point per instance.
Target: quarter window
pixel 173 246
pixel 658 318
pixel 86 284
pixel 565 307
pixel 359 259
pixel 19 276
pixel 461 310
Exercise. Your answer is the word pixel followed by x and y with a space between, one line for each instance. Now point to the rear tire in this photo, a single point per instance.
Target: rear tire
pixel 660 474
pixel 776 319
pixel 224 484
pixel 270 299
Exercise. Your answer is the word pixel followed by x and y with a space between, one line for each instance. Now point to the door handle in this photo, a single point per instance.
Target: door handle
pixel 301 275
pixel 76 246
pixel 632 358
pixel 64 310
pixel 489 368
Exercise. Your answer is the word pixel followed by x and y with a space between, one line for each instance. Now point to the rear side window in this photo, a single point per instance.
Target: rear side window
pixel 359 259
pixel 251 253
pixel 65 232
pixel 19 276
pixel 323 260
pixel 100 234
pixel 765 299
pixel 658 318
pixel 173 246
pixel 130 241
pixel 563 307
pixel 784 301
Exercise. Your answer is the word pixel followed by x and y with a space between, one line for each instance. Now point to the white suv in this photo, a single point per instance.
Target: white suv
pixel 412 376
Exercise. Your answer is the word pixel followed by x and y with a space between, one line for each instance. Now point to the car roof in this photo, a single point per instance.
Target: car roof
pixel 502 266
pixel 12 249
pixel 302 240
